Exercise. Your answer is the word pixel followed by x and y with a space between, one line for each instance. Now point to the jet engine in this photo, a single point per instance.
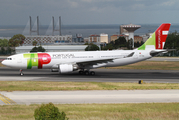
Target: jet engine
pixel 65 68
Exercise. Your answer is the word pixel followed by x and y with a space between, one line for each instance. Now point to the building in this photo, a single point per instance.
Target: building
pixel 131 28
pixel 115 37
pixel 55 48
pixel 138 39
pixel 122 30
pixel 97 39
pixel 86 40
pixel 146 36
pixel 94 38
pixel 104 38
pixel 78 39
pixel 45 39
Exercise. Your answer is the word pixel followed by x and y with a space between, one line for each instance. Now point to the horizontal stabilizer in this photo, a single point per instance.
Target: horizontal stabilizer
pixel 156 52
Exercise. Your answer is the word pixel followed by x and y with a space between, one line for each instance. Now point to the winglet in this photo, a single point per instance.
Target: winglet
pixel 158 38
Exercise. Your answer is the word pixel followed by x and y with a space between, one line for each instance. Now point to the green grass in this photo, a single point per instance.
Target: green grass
pixel 1 65
pixel 151 65
pixel 56 86
pixel 143 111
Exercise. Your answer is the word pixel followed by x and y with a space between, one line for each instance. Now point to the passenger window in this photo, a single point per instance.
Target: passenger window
pixel 8 59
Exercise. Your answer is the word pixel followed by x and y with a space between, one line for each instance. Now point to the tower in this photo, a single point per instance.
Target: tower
pixel 37 31
pixel 53 29
pixel 131 28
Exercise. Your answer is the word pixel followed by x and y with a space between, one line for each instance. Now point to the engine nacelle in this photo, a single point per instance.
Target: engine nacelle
pixel 66 68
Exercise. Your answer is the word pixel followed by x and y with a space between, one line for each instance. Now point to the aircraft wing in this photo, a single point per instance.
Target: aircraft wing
pixel 102 60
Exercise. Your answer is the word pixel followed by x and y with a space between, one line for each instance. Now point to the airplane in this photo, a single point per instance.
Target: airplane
pixel 83 61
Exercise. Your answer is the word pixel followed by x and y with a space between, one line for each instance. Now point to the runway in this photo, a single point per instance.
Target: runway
pixel 80 97
pixel 102 75
pixel 88 97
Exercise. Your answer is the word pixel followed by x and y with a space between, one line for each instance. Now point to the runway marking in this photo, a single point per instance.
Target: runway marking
pixel 6 100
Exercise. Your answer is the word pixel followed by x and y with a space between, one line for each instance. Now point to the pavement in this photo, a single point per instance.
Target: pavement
pixel 102 75
pixel 88 97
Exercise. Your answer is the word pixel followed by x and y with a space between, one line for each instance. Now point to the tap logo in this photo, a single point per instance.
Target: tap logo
pixel 161 35
pixel 37 59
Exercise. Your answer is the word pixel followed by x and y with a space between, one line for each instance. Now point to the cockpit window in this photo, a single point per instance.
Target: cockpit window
pixel 8 59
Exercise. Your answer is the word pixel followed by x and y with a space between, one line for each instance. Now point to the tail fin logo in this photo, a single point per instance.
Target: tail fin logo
pixel 159 40
pixel 161 35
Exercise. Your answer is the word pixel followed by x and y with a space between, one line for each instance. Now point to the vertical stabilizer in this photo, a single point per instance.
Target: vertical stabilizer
pixel 158 38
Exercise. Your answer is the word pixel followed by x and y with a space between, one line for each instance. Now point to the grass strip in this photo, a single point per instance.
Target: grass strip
pixel 1 65
pixel 151 65
pixel 132 111
pixel 56 86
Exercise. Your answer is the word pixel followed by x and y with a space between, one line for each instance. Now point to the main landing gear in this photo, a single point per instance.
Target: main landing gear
pixel 86 72
pixel 21 73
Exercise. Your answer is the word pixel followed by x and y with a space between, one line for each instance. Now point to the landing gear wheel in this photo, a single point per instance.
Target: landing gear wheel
pixel 92 73
pixel 86 72
pixel 21 73
pixel 81 72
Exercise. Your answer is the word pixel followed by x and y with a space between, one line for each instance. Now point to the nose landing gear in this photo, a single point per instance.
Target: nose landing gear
pixel 21 73
pixel 92 73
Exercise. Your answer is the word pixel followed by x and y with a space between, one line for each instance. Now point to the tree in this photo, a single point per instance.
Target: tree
pixel 34 43
pixel 2 51
pixel 109 47
pixel 91 47
pixel 120 42
pixel 16 40
pixel 49 112
pixel 141 43
pixel 137 44
pixel 130 44
pixel 3 42
pixel 172 41
pixel 9 50
pixel 34 49
pixel 38 49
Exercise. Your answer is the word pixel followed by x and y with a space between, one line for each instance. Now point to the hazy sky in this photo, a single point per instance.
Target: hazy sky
pixel 17 12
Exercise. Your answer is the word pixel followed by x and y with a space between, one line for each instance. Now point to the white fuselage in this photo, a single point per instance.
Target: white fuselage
pixel 119 58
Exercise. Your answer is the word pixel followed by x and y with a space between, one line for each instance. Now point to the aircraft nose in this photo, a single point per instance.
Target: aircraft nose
pixel 4 62
pixel 8 62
